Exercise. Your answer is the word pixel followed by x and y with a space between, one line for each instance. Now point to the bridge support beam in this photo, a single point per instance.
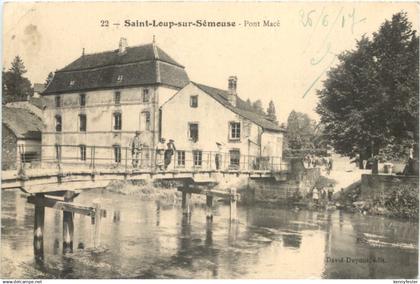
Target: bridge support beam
pixel 209 208
pixel 39 228
pixel 96 221
pixel 68 225
pixel 186 203
pixel 233 199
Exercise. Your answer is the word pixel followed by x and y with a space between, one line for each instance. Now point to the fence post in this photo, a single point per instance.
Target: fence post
pixel 21 170
pixel 93 157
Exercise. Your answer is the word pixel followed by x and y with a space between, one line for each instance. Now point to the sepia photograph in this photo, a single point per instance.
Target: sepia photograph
pixel 210 140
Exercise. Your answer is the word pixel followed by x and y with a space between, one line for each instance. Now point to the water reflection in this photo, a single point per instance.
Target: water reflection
pixel 143 239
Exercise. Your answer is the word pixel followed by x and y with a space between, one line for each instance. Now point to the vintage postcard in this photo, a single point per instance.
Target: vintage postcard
pixel 210 140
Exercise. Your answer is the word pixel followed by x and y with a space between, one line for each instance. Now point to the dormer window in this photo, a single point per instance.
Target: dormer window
pixel 71 83
pixel 146 96
pixel 120 78
pixel 57 101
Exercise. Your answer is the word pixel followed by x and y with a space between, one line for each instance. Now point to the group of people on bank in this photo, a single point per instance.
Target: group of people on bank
pixel 322 195
pixel 312 161
pixel 164 152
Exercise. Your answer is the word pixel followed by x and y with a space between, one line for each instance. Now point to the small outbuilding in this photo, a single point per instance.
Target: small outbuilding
pixel 21 137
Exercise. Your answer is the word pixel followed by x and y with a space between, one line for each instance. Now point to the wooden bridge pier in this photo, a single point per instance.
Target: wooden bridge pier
pixel 39 228
pixel 210 194
pixel 68 225
pixel 40 200
pixel 233 200
pixel 209 207
pixel 186 202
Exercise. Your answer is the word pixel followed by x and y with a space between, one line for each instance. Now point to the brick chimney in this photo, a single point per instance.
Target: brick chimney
pixel 122 47
pixel 232 83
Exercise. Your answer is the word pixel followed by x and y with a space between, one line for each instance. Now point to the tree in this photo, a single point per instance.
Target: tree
pixel 300 131
pixel 15 87
pixel 49 78
pixel 271 112
pixel 17 68
pixel 257 106
pixel 369 101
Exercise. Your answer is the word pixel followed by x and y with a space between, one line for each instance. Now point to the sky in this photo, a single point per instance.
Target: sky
pixel 285 62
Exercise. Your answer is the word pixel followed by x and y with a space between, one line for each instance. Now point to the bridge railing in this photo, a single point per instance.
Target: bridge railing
pixel 122 158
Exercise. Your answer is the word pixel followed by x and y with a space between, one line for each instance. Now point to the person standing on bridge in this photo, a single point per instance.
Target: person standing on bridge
pixel 136 148
pixel 160 151
pixel 218 156
pixel 169 152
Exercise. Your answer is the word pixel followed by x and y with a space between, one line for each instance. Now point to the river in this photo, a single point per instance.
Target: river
pixel 149 239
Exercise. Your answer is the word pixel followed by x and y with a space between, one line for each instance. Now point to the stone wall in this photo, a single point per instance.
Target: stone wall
pixel 373 186
pixel 299 182
pixel 8 150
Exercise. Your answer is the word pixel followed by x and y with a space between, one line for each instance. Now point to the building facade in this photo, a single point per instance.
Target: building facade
pixel 102 99
pixel 216 121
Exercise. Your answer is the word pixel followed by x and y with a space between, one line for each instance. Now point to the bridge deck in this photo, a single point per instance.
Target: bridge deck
pixel 97 171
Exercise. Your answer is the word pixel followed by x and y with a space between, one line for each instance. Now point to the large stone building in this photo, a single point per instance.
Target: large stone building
pixel 102 99
pixel 219 121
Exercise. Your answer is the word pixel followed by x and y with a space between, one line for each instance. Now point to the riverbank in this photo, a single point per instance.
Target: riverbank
pixel 400 201
pixel 165 193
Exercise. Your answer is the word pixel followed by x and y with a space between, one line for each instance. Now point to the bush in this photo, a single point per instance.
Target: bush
pixel 403 201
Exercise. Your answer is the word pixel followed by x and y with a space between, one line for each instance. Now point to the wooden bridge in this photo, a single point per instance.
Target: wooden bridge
pixel 55 181
pixel 72 168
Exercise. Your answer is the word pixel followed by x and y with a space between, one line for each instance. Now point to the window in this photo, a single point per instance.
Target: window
pixel 234 130
pixel 180 158
pixel 57 101
pixel 120 78
pixel 57 152
pixel 235 157
pixel 82 122
pixel 198 158
pixel 145 121
pixel 117 123
pixel 58 125
pixel 193 131
pixel 82 100
pixel 146 96
pixel 117 153
pixel 82 152
pixel 194 101
pixel 117 98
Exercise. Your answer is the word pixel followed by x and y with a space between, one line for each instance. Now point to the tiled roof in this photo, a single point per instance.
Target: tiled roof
pixel 23 123
pixel 34 105
pixel 140 65
pixel 241 108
